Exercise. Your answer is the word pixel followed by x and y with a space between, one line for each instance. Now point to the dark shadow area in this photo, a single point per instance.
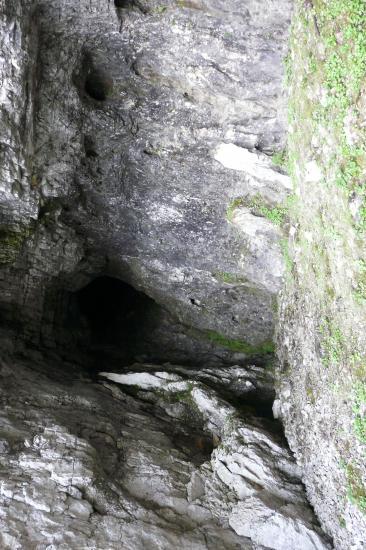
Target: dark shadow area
pixel 130 5
pixel 92 80
pixel 98 85
pixel 89 147
pixel 108 324
pixel 197 446
pixel 122 3
pixel 117 317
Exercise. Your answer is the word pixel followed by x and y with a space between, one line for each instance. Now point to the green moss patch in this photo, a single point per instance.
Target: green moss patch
pixel 280 159
pixel 230 278
pixel 240 346
pixel 359 409
pixel 259 207
pixel 356 490
pixel 11 242
pixel 234 204
pixel 333 344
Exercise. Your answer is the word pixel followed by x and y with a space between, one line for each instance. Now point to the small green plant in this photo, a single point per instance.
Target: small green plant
pixel 333 344
pixel 159 9
pixel 234 204
pixel 280 158
pixel 356 491
pixel 276 214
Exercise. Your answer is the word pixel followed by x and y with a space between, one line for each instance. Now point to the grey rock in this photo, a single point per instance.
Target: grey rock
pixel 129 113
pixel 127 132
pixel 318 422
pixel 96 465
pixel 273 525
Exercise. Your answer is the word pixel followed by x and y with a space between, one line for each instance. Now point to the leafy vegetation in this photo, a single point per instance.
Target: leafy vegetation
pixel 280 159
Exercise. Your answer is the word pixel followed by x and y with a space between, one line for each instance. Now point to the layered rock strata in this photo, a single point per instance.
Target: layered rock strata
pixel 159 461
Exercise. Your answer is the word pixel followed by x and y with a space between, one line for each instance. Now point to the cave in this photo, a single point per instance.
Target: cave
pixel 117 318
pixel 182 311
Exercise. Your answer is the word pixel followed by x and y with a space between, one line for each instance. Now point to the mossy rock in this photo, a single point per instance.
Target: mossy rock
pixel 258 206
pixel 11 242
pixel 241 346
pixel 230 278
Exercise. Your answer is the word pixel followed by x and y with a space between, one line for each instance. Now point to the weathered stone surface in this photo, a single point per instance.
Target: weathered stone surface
pixel 321 382
pixel 134 135
pixel 134 109
pixel 161 461
pixel 18 58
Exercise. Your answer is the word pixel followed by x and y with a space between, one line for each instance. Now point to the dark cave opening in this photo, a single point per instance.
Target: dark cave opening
pixel 98 85
pixel 118 319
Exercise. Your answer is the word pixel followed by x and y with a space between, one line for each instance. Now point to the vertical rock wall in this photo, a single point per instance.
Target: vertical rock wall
pixel 152 127
pixel 321 337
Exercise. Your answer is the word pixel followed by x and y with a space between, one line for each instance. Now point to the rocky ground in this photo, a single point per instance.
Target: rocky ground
pixel 146 459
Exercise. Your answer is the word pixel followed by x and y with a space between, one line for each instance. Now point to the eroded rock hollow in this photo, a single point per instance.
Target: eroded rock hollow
pixel 140 265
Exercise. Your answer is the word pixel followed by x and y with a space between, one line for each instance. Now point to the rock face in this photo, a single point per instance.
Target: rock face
pixel 321 381
pixel 161 461
pixel 152 122
pixel 139 225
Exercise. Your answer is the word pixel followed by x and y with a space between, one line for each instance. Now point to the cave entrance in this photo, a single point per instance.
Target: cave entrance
pixel 118 319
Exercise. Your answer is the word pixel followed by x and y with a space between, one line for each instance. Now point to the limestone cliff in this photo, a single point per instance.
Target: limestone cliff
pixel 134 131
pixel 144 213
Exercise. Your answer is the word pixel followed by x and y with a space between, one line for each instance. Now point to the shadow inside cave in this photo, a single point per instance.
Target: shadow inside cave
pixel 117 319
